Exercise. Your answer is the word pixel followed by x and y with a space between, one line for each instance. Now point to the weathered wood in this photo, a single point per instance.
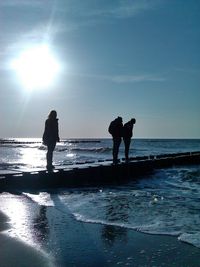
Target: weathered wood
pixel 92 173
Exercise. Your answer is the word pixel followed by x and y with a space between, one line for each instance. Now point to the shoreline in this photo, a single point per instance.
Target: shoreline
pixel 15 252
pixel 74 243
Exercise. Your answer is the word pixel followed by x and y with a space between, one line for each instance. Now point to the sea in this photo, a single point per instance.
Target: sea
pixel 165 202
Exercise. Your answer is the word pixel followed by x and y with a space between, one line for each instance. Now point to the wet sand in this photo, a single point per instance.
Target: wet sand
pixel 14 252
pixel 46 236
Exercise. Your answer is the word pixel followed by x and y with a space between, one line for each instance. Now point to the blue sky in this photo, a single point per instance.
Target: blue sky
pixel 133 58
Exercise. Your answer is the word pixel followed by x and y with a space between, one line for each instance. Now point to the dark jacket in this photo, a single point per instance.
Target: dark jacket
pixel 128 130
pixel 115 129
pixel 51 134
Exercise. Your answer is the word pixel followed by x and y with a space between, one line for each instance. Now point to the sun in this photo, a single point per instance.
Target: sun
pixel 36 67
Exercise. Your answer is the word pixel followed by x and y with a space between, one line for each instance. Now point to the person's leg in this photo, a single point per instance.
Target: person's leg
pixel 114 150
pixel 116 144
pixel 125 148
pixel 127 142
pixel 50 149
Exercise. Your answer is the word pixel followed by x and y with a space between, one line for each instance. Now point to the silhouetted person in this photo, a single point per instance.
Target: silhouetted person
pixel 127 134
pixel 115 129
pixel 51 136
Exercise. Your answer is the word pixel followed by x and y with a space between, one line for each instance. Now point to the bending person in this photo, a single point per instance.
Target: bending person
pixel 127 134
pixel 50 137
pixel 115 129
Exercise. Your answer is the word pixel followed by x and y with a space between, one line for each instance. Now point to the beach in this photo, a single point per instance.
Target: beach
pixel 15 252
pixel 100 133
pixel 150 221
pixel 38 235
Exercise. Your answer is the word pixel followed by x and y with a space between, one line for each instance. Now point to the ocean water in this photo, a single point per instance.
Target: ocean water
pixel 30 153
pixel 166 202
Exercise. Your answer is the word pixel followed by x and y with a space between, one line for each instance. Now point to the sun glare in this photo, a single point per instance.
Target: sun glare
pixel 36 67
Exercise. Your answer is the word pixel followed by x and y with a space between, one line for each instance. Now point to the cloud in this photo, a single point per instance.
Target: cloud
pixel 136 78
pixel 125 78
pixel 14 3
pixel 188 70
pixel 89 12
pixel 126 8
pixel 72 15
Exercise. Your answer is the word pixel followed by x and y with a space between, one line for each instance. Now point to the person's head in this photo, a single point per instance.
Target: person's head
pixel 119 119
pixel 133 120
pixel 52 115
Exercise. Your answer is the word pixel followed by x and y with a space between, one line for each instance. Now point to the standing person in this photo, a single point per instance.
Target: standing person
pixel 115 129
pixel 127 134
pixel 51 136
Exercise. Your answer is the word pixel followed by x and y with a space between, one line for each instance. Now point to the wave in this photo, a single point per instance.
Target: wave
pixel 21 146
pixel 92 149
pixel 39 140
pixel 9 166
pixel 77 141
pixel 192 239
pixel 16 142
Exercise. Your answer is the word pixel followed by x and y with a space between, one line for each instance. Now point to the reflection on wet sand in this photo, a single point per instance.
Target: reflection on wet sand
pixel 40 224
pixel 4 222
pixel 117 210
pixel 13 251
pixel 20 214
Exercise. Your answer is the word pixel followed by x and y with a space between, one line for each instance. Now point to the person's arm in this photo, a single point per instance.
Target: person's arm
pixel 45 134
pixel 58 138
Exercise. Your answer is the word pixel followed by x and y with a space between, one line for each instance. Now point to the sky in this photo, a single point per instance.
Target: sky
pixel 104 58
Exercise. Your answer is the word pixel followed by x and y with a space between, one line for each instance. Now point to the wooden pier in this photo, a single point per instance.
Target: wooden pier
pixel 91 173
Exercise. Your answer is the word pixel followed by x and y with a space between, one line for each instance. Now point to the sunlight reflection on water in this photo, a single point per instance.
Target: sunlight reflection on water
pixel 19 214
pixel 33 157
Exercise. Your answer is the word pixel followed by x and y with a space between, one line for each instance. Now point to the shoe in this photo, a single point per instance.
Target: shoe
pixel 50 167
pixel 115 162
